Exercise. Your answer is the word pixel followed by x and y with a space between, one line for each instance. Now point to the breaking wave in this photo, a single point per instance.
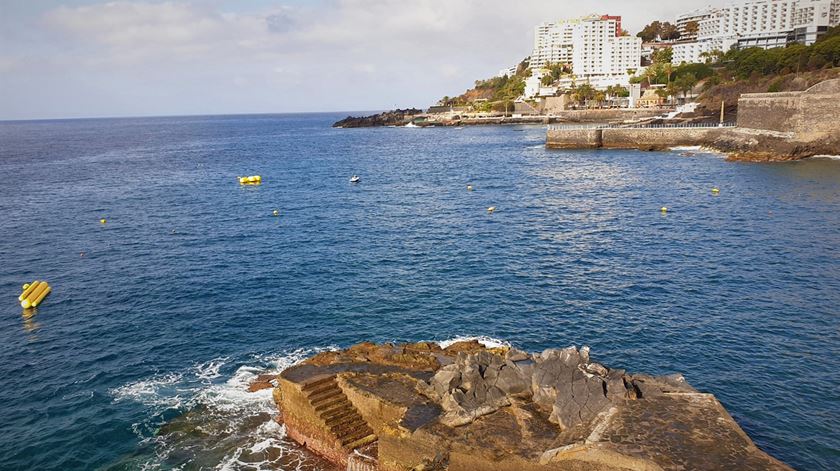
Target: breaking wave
pixel 488 342
pixel 197 419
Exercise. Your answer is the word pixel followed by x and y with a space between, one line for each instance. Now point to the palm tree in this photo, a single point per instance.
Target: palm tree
pixel 648 74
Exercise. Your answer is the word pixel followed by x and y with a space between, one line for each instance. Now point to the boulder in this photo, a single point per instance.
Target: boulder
pixel 553 367
pixel 446 379
pixel 578 400
pixel 512 381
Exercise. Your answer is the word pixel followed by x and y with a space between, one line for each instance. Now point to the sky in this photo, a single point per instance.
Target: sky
pixel 77 58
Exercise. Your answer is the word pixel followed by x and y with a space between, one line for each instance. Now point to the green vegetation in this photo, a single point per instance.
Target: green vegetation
pixel 692 27
pixel 618 91
pixel 665 73
pixel 493 94
pixel 662 30
pixel 662 56
pixel 756 62
pixel 555 71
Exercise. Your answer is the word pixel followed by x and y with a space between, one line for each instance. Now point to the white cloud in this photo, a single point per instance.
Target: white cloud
pixel 335 54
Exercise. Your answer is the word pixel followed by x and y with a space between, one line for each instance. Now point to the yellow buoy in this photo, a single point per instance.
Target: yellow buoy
pixel 664 209
pixel 469 188
pixel 27 302
pixel 37 300
pixel 28 290
pixel 276 213
pixel 250 180
pixel 491 209
pixel 715 190
pixel 103 221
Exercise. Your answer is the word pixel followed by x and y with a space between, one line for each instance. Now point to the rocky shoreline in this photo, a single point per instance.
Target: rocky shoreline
pixel 471 407
pixel 771 127
pixel 388 118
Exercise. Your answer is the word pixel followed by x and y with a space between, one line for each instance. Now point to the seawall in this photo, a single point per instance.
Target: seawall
pixel 631 138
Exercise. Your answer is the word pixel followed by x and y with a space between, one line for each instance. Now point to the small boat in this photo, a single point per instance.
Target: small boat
pixel 355 179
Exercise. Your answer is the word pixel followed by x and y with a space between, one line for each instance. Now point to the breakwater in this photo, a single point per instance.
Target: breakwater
pixel 637 137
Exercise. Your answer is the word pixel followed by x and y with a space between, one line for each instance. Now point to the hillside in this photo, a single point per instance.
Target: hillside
pixel 496 93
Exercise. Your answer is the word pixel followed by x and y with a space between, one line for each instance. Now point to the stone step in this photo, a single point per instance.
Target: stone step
pixel 342 416
pixel 323 396
pixel 336 411
pixel 354 434
pixel 328 386
pixel 348 416
pixel 360 442
pixel 312 384
pixel 351 428
pixel 336 401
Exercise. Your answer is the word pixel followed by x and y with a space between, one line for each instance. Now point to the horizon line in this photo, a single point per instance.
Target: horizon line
pixel 196 115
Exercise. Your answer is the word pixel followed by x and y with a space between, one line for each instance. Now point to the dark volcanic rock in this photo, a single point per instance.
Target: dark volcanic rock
pixel 388 118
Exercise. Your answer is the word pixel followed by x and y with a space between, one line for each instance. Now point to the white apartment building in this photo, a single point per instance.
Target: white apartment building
pixel 594 47
pixel 695 51
pixel 811 18
pixel 693 16
pixel 757 23
pixel 770 23
pixel 553 43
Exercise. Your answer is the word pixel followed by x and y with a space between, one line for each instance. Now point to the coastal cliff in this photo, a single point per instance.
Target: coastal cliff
pixel 469 407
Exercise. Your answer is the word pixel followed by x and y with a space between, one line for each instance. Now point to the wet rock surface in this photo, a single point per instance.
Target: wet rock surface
pixel 472 407
pixel 389 118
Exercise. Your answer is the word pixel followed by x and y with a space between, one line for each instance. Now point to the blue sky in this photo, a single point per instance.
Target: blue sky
pixel 77 58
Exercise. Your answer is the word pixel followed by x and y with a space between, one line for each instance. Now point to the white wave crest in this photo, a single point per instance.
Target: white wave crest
pixel 157 391
pixel 210 369
pixel 220 410
pixel 488 342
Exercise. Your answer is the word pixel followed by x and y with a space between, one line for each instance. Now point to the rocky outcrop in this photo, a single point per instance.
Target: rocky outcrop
pixel 389 118
pixel 768 146
pixel 467 407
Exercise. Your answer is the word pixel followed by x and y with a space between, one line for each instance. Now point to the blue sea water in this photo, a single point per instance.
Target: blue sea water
pixel 160 317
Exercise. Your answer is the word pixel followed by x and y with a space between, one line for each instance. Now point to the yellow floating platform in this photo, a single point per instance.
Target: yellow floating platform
pixel 252 180
pixel 34 293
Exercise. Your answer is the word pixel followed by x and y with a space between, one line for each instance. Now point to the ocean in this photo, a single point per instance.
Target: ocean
pixel 160 317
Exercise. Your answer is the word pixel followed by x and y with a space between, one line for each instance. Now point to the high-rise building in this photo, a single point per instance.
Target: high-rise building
pixel 812 18
pixel 593 46
pixel 693 17
pixel 553 43
pixel 757 23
